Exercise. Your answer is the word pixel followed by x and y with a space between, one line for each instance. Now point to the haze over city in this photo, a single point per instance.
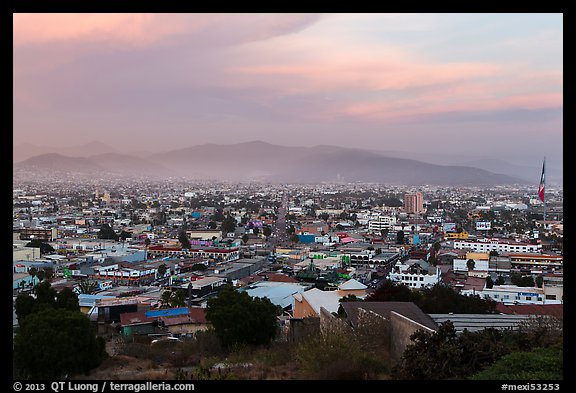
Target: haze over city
pixel 460 87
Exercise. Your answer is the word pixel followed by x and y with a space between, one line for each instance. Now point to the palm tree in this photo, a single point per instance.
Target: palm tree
pixel 33 271
pixel 146 244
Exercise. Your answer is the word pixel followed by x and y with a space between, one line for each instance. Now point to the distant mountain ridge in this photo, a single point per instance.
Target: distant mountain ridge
pixel 24 151
pixel 262 161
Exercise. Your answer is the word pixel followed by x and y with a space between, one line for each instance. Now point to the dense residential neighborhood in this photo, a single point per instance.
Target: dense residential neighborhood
pixel 148 262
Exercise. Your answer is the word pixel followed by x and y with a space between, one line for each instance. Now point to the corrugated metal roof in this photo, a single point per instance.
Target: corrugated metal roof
pixel 476 322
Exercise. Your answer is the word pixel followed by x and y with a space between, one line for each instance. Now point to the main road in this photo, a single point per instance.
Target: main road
pixel 279 235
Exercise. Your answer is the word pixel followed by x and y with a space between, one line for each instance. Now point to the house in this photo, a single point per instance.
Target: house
pixel 308 303
pixel 415 273
pixel 175 322
pixel 279 293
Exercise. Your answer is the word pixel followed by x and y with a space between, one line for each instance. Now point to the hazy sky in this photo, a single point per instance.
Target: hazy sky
pixel 481 84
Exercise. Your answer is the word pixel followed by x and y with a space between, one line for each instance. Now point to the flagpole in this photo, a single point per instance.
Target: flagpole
pixel 544 172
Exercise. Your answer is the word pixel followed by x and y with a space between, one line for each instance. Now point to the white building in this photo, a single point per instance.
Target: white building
pixel 415 273
pixel 377 223
pixel 499 245
pixel 512 294
pixel 462 265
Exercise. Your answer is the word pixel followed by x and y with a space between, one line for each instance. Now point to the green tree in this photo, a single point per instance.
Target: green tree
pixel 199 267
pixel 173 298
pixel 162 270
pixel 541 364
pixel 24 306
pixel 32 272
pixel 228 225
pixel 324 216
pixel 390 291
pixel 45 294
pixel 66 299
pixel 470 263
pixel 238 318
pixel 432 355
pixel 106 232
pixel 44 247
pixel 47 343
pixel 184 241
pixel 267 231
pixel 522 280
pixel 124 235
pixel 294 238
pixel 500 281
pixel 489 282
pixel 256 231
pixel 539 281
pixel 400 237
pixel 245 238
pixel 41 275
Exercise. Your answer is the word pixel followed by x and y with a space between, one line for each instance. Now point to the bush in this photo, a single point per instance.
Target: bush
pixel 337 356
pixel 541 364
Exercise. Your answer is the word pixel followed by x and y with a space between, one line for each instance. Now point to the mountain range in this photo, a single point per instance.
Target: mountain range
pixel 260 161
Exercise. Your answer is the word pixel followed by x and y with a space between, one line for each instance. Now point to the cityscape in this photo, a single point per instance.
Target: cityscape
pixel 202 197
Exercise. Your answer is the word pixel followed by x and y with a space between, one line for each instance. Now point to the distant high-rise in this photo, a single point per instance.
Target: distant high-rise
pixel 414 203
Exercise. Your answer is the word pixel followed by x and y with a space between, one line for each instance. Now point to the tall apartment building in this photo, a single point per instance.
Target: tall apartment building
pixel 414 203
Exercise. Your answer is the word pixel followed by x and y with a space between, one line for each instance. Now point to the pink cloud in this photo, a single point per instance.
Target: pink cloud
pixel 145 29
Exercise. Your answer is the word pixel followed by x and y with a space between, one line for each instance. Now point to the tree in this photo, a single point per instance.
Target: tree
pixel 432 355
pixel 267 231
pixel 400 237
pixel 389 291
pixel 539 281
pixel 212 225
pixel 522 280
pixel 470 263
pixel 106 232
pixel 48 273
pixel 489 282
pixel 41 275
pixel 45 294
pixel 125 235
pixel 294 238
pixel 24 306
pixel 162 270
pixel 32 272
pixel 238 318
pixel 245 238
pixel 173 298
pixel 47 343
pixel 44 247
pixel 542 364
pixel 66 299
pixel 87 287
pixel 228 225
pixel 324 216
pixel 256 231
pixel 184 241
pixel 500 281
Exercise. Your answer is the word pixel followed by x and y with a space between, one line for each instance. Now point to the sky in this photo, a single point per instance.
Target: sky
pixel 477 84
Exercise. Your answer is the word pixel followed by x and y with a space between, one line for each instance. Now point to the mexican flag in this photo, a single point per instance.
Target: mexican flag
pixel 542 182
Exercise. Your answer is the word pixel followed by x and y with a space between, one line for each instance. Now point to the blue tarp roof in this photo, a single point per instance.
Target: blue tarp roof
pixel 169 312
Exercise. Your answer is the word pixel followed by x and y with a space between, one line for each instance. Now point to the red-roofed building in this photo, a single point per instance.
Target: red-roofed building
pixel 554 310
